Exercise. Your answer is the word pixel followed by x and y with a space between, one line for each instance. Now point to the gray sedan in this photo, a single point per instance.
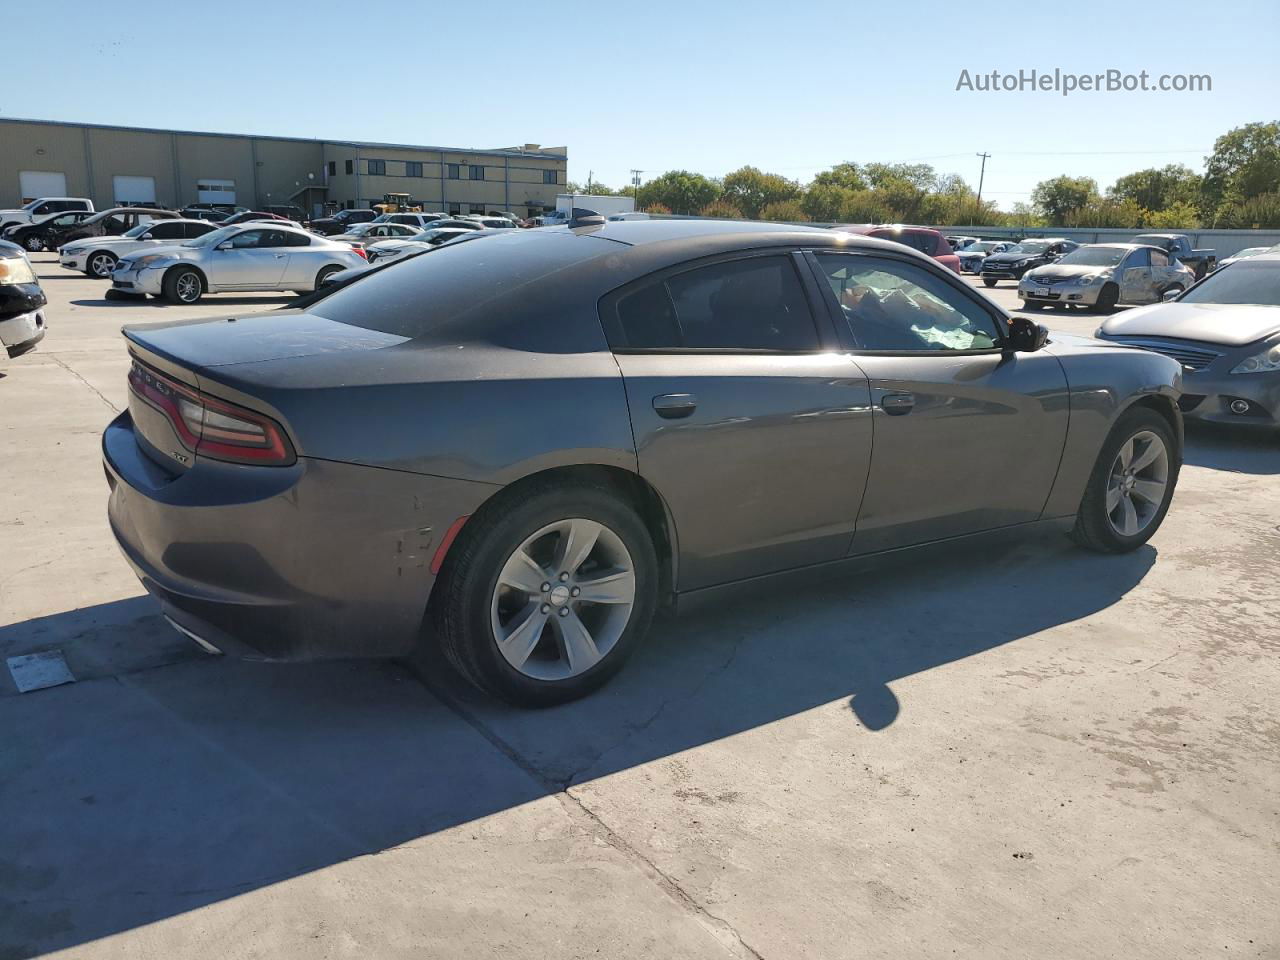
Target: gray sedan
pixel 1225 331
pixel 251 256
pixel 1101 275
pixel 528 443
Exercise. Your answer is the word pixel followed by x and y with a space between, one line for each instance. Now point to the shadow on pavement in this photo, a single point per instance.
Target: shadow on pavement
pixel 146 794
pixel 1237 449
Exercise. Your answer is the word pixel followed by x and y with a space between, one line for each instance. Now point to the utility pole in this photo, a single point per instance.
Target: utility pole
pixel 635 182
pixel 981 177
pixel 590 174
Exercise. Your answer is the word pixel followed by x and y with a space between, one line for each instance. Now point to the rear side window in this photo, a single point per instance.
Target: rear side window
pixel 168 231
pixel 751 304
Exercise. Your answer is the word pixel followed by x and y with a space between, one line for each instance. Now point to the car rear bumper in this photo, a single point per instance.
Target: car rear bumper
pixel 312 561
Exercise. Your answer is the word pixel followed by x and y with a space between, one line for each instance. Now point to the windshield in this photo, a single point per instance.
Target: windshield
pixel 980 246
pixel 213 237
pixel 1249 281
pixel 1249 252
pixel 1029 246
pixel 1095 257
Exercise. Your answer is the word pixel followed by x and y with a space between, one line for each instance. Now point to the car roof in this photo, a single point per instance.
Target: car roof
pixel 638 232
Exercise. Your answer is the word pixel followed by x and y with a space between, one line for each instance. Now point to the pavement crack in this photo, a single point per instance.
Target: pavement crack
pixel 720 929
pixel 98 393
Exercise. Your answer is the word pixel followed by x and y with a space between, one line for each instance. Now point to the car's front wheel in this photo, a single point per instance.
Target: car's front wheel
pixel 100 264
pixel 34 243
pixel 182 285
pixel 1131 485
pixel 989 281
pixel 544 596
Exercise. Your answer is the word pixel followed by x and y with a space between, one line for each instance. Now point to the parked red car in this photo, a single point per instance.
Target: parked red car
pixel 927 241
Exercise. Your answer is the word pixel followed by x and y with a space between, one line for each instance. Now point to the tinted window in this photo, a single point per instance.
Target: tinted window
pixel 197 229
pixel 752 304
pixel 452 284
pixel 1137 259
pixel 902 308
pixel 250 239
pixel 918 241
pixel 413 168
pixel 168 231
pixel 114 224
pixel 292 239
pixel 1158 258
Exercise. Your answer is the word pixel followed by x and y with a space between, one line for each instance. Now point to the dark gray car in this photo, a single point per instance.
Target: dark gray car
pixel 527 442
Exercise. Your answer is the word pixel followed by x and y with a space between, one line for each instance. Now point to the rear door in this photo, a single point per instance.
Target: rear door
pixel 967 437
pixel 748 420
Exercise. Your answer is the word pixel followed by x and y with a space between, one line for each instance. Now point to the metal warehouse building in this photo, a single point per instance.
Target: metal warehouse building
pixel 123 165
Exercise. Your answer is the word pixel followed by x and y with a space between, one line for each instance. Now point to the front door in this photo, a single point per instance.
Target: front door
pixel 256 260
pixel 749 422
pixel 1136 285
pixel 967 437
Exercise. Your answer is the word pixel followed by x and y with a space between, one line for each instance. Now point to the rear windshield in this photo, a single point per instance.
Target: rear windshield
pixel 416 297
pixel 1249 281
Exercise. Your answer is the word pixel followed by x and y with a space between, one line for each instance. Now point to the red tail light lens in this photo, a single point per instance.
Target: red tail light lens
pixel 211 427
pixel 359 250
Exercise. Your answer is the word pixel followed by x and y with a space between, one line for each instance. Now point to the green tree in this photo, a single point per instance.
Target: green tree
pixel 751 189
pixel 1245 163
pixel 787 211
pixel 1157 187
pixel 595 188
pixel 1100 212
pixel 866 206
pixel 902 186
pixel 822 201
pixel 1179 215
pixel 846 175
pixel 722 210
pixel 680 191
pixel 1062 196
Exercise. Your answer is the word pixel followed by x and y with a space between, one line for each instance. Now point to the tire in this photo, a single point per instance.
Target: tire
pixel 1108 297
pixel 1031 305
pixel 1101 529
pixel 100 264
pixel 470 606
pixel 183 286
pixel 33 243
pixel 324 273
pixel 989 281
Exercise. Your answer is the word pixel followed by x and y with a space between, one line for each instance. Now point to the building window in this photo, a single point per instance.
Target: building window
pixel 333 168
pixel 412 168
pixel 349 168
pixel 477 172
pixel 455 209
pixel 476 208
pixel 549 176
pixel 377 168
pixel 455 171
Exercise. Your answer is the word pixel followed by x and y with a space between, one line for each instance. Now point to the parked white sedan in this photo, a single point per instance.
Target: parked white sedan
pixel 244 257
pixel 98 256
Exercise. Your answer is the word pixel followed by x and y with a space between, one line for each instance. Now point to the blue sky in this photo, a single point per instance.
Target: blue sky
pixel 792 88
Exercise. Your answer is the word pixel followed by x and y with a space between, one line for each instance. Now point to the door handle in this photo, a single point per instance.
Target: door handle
pixel 281 256
pixel 896 404
pixel 673 406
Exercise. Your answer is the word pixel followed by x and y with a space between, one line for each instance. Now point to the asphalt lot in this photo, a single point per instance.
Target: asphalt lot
pixel 1018 751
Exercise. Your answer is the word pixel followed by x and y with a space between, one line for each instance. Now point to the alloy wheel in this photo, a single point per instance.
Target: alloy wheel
pixel 188 287
pixel 563 599
pixel 102 264
pixel 34 243
pixel 1137 483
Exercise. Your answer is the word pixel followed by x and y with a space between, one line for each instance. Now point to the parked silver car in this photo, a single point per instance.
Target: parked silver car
pixel 1101 275
pixel 98 256
pixel 363 234
pixel 243 257
pixel 1225 331
pixel 971 256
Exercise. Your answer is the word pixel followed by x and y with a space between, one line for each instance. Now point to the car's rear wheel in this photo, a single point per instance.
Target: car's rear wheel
pixel 34 243
pixel 989 281
pixel 544 596
pixel 1108 297
pixel 325 273
pixel 100 264
pixel 1131 485
pixel 182 285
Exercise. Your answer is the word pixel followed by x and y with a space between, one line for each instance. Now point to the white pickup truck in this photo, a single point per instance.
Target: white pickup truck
pixel 40 208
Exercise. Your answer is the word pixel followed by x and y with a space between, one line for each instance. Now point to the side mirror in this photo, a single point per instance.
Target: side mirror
pixel 1171 295
pixel 224 246
pixel 146 236
pixel 1026 336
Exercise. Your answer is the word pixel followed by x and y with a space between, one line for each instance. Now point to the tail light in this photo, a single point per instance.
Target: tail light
pixel 211 427
pixel 359 250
